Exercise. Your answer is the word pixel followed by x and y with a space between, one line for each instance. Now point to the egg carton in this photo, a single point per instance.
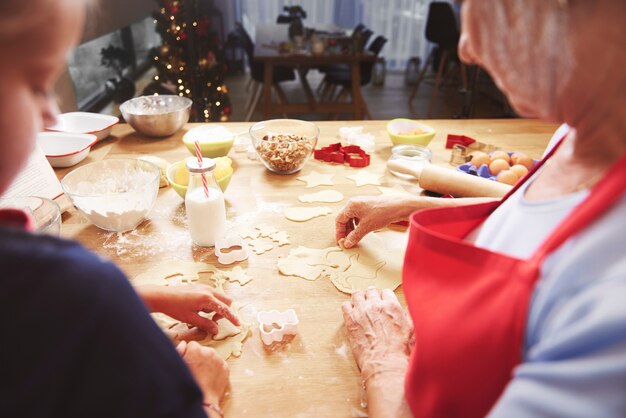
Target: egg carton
pixel 482 171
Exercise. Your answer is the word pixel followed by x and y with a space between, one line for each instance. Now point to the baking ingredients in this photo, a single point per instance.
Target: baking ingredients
pixel 507 177
pixel 284 153
pixel 479 158
pixel 229 339
pixel 223 167
pixel 303 213
pixel 371 263
pixel 500 155
pixel 314 179
pixel 162 164
pixel 204 204
pixel 498 165
pixel 325 196
pixel 115 194
pixel 364 178
pixel 520 170
pixel 522 159
pixel 413 156
pixel 395 191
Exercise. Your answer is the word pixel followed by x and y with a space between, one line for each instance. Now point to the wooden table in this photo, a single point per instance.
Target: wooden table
pixel 267 35
pixel 316 376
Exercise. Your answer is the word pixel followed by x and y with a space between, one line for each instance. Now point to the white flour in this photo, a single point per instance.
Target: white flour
pixel 114 203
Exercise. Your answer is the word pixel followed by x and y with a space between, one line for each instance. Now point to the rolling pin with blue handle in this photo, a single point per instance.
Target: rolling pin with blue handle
pixel 446 181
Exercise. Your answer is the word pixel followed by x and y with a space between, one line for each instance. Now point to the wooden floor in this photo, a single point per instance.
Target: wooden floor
pixel 387 101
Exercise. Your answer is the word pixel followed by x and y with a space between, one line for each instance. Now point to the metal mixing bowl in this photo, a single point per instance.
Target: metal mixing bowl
pixel 156 116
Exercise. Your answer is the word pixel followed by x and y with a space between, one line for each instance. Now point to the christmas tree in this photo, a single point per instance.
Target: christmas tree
pixel 189 62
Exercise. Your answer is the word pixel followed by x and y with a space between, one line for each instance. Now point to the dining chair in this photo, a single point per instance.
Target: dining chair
pixel 280 74
pixel 356 32
pixel 343 79
pixel 442 30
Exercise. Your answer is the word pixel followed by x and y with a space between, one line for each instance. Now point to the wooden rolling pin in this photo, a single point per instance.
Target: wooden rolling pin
pixel 446 181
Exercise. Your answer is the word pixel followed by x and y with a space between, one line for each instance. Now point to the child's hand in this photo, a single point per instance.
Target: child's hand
pixel 185 302
pixel 209 370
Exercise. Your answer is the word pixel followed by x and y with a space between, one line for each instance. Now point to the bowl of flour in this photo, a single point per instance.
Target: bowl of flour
pixel 115 194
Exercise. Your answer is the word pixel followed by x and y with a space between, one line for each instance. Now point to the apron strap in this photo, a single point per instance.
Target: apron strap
pixel 602 196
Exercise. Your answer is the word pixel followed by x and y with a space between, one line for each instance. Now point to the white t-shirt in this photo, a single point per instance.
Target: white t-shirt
pixel 518 227
pixel 575 342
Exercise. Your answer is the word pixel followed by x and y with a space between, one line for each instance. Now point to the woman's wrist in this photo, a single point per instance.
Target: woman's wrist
pixel 384 392
pixel 381 368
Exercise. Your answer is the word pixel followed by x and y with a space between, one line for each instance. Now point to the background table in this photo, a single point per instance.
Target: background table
pixel 270 56
pixel 315 376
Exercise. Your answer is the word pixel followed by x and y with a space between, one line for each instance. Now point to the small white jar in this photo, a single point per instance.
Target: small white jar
pixel 413 156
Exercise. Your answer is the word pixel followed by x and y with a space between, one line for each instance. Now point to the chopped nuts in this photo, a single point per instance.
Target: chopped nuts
pixel 284 153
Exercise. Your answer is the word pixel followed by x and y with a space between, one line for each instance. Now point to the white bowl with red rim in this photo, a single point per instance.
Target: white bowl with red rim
pixel 85 123
pixel 64 149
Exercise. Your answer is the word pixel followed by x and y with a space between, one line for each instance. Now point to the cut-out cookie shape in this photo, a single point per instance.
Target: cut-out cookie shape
pixel 239 253
pixel 251 233
pixel 302 213
pixel 307 263
pixel 325 196
pixel 314 179
pixel 260 246
pixel 396 190
pixel 238 275
pixel 274 325
pixel 363 178
pixel 281 237
pixel 266 230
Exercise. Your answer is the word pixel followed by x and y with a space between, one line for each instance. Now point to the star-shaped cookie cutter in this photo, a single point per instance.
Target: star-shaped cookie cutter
pixel 234 255
pixel 287 323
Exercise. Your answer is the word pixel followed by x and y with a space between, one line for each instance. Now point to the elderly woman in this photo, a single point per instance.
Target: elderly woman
pixel 517 305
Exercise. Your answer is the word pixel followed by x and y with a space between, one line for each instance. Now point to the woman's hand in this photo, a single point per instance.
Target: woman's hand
pixel 379 331
pixel 381 337
pixel 365 214
pixel 187 301
pixel 209 370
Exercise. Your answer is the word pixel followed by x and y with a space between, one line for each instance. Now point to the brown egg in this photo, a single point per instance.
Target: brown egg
pixel 498 165
pixel 516 156
pixel 507 177
pixel 520 170
pixel 526 161
pixel 479 158
pixel 500 155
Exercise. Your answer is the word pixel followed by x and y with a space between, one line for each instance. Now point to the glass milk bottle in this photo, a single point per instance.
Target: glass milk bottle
pixel 206 215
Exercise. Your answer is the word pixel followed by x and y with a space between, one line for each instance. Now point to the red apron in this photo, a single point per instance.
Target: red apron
pixel 469 305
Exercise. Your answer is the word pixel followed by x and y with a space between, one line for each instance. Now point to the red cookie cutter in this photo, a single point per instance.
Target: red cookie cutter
pixel 335 153
pixel 453 140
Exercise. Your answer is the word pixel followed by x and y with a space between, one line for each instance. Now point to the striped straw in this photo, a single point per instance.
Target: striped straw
pixel 204 182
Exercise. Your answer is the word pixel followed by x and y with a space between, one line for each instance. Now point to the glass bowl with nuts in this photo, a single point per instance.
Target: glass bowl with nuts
pixel 284 145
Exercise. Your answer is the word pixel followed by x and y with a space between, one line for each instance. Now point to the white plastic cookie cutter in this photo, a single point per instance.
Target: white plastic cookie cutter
pixel 234 255
pixel 287 323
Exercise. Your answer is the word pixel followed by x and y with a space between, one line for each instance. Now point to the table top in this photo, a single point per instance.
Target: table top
pixel 315 375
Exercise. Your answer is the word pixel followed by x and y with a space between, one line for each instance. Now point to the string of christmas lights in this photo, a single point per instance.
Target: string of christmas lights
pixel 189 62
